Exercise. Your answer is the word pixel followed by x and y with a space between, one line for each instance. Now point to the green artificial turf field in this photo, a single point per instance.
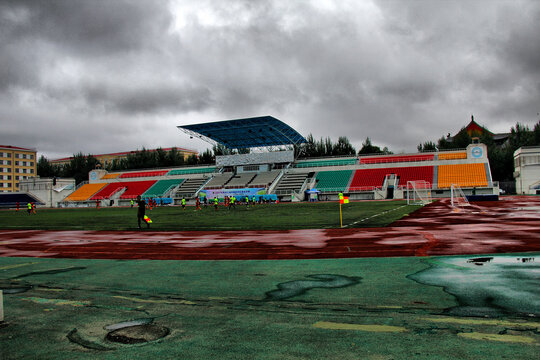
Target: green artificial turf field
pixel 283 216
pixel 373 308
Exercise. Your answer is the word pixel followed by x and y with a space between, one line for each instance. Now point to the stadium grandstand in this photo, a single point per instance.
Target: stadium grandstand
pixel 271 169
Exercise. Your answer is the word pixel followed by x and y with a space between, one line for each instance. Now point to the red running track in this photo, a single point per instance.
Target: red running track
pixel 509 225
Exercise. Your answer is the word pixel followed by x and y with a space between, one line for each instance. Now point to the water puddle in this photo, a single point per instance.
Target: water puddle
pixel 487 286
pixel 293 288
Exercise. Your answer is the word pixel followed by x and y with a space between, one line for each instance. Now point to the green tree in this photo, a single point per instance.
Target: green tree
pixel 192 159
pixel 207 157
pixel 175 158
pixel 536 134
pixel 79 167
pixel 427 146
pixel 46 169
pixel 160 156
pixel 369 148
pixel 343 147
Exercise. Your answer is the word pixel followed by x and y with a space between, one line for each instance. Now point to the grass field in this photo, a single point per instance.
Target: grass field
pixel 282 216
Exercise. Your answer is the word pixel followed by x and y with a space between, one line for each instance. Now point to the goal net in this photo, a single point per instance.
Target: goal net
pixel 457 196
pixel 418 192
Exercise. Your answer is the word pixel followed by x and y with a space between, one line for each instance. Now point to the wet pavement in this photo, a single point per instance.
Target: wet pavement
pixel 385 293
pixel 509 225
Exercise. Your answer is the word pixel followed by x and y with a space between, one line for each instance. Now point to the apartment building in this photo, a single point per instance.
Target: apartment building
pixel 16 163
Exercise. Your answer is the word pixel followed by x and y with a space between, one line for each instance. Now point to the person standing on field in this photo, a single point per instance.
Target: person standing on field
pixel 141 211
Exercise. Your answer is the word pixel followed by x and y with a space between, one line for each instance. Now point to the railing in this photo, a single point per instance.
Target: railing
pixel 361 188
pixel 393 160
pixel 110 195
pixel 323 164
pixel 80 185
pixel 331 190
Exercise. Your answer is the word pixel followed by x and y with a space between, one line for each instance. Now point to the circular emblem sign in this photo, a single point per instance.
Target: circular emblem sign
pixel 93 175
pixel 477 152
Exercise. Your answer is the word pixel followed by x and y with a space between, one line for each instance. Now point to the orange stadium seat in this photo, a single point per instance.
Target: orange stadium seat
pixel 463 175
pixel 85 192
pixel 452 156
pixel 110 176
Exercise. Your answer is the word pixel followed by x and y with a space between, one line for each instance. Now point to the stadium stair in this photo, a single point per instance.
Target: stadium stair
pixel 189 187
pixel 290 182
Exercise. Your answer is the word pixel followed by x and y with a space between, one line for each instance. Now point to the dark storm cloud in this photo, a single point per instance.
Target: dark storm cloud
pixel 118 75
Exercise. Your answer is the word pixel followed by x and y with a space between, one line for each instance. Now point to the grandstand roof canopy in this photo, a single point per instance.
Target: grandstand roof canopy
pixel 262 131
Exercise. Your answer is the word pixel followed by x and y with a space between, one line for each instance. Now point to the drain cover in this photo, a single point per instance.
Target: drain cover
pixel 137 334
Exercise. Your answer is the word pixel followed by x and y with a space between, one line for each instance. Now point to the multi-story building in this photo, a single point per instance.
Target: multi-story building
pixel 16 163
pixel 107 159
pixel 527 170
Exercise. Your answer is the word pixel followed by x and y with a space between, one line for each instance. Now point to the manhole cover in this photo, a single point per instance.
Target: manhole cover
pixel 137 334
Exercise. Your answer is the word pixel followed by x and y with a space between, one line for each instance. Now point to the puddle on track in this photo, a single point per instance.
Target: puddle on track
pixel 487 286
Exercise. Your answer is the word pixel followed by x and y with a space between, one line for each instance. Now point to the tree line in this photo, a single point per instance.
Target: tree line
pixel 500 156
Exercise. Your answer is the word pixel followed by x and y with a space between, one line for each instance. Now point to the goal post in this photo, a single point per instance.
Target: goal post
pixel 418 192
pixel 457 196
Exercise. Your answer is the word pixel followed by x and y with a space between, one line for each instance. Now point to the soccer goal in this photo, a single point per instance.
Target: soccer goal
pixel 418 192
pixel 457 196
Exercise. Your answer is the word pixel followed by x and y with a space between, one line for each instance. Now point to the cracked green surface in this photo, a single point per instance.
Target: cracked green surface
pixel 220 310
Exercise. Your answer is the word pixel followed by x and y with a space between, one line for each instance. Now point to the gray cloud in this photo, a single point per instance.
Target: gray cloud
pixel 99 76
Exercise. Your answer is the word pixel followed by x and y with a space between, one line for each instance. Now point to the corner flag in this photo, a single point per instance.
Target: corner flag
pixel 342 200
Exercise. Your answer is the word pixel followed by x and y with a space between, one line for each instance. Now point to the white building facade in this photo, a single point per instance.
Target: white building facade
pixel 527 170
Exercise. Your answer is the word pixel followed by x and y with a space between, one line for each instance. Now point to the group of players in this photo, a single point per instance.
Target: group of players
pixel 229 202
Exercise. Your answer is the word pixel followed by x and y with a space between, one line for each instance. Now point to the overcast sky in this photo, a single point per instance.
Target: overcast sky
pixel 108 75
